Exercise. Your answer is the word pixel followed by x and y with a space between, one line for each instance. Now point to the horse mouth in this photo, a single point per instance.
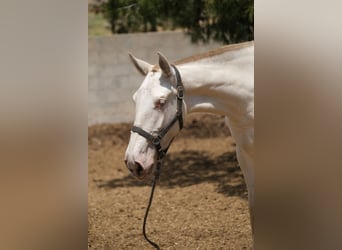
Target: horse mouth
pixel 143 174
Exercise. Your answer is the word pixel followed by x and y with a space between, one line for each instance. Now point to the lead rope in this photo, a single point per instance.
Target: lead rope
pixel 156 176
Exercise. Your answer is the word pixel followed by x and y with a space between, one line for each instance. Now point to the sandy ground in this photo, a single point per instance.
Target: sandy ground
pixel 200 201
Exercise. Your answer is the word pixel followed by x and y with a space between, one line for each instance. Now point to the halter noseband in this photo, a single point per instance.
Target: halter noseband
pixel 155 138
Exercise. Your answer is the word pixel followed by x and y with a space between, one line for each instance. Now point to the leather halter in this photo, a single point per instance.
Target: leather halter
pixel 155 138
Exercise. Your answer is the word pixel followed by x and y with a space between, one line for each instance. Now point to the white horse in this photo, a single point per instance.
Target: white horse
pixel 220 81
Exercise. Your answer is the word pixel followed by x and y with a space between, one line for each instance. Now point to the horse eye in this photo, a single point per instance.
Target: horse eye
pixel 159 103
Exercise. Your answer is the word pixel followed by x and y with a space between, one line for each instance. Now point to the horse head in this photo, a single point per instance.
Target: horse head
pixel 158 107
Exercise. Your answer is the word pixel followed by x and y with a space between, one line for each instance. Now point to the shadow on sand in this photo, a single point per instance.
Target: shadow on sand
pixel 190 168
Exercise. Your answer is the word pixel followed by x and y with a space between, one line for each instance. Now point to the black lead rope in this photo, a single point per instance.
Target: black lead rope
pixel 156 140
pixel 155 179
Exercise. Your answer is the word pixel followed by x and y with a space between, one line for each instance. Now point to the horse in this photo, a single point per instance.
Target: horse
pixel 220 81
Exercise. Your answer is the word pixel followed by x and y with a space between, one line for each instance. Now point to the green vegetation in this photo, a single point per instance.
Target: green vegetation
pixel 98 25
pixel 226 21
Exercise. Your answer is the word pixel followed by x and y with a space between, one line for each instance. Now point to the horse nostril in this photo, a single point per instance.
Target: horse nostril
pixel 126 162
pixel 139 168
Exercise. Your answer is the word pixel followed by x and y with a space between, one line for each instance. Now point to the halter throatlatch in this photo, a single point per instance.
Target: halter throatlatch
pixel 155 140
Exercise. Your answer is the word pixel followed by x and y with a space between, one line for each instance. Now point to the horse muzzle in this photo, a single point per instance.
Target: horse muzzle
pixel 138 169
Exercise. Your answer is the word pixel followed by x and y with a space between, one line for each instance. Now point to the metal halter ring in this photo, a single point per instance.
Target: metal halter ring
pixel 155 140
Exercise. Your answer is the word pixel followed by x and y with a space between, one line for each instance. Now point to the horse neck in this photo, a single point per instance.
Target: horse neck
pixel 224 88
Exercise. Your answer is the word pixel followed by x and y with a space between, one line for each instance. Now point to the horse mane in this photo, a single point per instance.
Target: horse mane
pixel 210 53
pixel 215 52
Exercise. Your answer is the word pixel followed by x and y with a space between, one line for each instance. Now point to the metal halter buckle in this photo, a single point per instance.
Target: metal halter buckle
pixel 180 92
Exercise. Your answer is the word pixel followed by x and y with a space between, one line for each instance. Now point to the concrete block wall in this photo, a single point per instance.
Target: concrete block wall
pixel 112 79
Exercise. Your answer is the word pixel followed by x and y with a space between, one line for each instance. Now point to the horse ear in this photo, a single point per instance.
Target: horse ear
pixel 142 66
pixel 164 65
